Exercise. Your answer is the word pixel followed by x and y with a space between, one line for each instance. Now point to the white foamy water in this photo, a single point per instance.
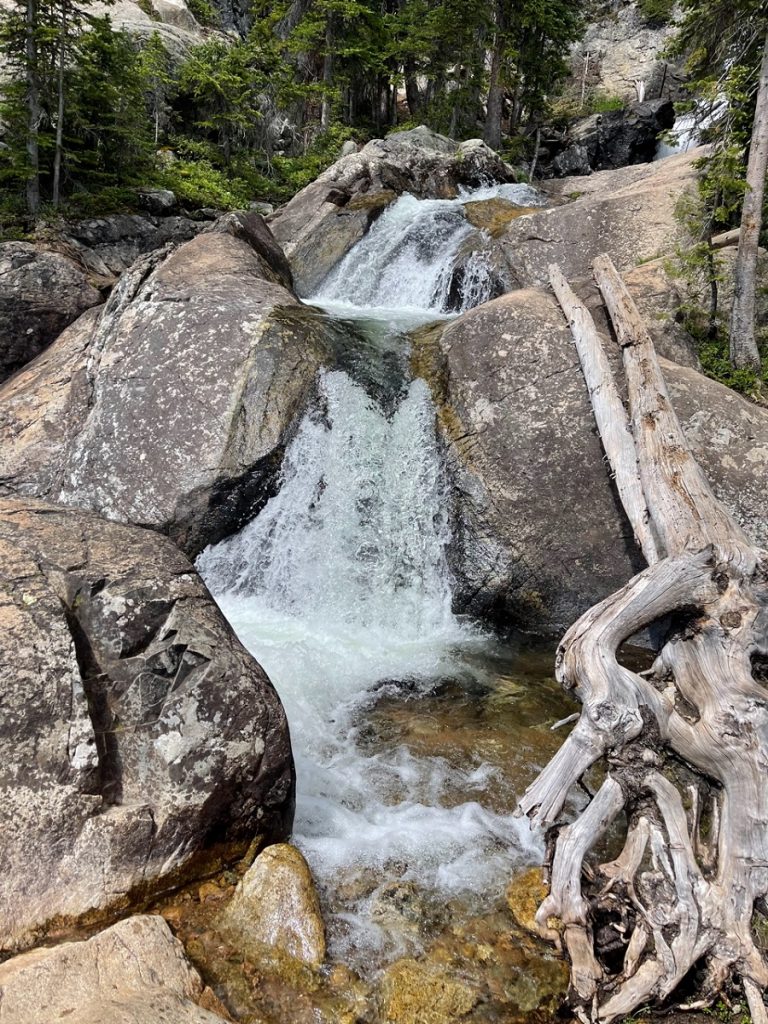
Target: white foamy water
pixel 688 128
pixel 341 589
pixel 405 262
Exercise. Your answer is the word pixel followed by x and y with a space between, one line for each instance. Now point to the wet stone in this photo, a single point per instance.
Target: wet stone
pixel 276 904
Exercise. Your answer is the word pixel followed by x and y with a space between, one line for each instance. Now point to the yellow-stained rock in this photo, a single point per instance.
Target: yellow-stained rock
pixel 493 215
pixel 416 993
pixel 525 893
pixel 276 904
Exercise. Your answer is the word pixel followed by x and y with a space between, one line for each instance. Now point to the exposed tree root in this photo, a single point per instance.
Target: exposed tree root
pixel 686 744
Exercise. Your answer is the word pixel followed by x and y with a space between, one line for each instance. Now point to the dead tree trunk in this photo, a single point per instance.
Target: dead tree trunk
pixel 694 868
pixel 744 350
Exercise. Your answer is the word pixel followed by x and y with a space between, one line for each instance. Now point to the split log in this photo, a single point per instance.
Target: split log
pixel 685 746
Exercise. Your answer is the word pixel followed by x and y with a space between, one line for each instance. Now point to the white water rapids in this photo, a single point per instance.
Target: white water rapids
pixel 341 589
pixel 405 261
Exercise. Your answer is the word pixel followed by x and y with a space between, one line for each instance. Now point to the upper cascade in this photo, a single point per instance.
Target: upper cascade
pixel 407 258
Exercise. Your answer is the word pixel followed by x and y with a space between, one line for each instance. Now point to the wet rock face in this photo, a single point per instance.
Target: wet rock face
pixel 140 742
pixel 322 223
pixel 540 535
pixel 133 973
pixel 172 410
pixel 276 904
pixel 616 138
pixel 41 293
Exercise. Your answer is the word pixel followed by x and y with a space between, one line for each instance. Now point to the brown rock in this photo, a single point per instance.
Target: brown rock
pixel 276 904
pixel 524 895
pixel 420 993
pixel 494 215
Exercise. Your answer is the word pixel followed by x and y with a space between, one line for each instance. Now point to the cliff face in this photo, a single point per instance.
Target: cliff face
pixel 622 50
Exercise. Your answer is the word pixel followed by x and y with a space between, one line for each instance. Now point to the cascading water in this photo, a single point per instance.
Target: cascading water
pixel 405 260
pixel 341 589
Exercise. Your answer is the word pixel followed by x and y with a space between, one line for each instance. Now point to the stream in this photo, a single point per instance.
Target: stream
pixel 414 730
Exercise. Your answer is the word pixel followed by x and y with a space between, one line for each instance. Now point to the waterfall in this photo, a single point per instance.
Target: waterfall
pixel 688 128
pixel 406 259
pixel 341 589
pixel 356 537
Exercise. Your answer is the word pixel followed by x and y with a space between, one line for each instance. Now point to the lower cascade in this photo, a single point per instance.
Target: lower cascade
pixel 341 589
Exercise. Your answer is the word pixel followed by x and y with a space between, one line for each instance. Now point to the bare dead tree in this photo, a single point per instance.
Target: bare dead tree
pixel 683 892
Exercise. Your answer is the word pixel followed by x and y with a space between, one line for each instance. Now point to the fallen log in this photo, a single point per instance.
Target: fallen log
pixel 685 745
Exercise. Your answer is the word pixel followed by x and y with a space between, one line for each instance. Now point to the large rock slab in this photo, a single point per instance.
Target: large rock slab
pixel 41 293
pixel 322 223
pixel 628 214
pixel 133 973
pixel 172 410
pixel 540 533
pixel 140 744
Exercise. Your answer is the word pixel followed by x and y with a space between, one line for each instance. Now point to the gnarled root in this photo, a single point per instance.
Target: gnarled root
pixel 686 745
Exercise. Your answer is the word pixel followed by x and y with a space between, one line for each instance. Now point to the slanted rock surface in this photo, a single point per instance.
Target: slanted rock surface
pixel 322 223
pixel 540 535
pixel 133 973
pixel 172 410
pixel 276 904
pixel 41 293
pixel 140 744
pixel 628 214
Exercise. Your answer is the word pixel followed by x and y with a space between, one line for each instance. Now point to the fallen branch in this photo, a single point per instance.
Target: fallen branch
pixel 683 892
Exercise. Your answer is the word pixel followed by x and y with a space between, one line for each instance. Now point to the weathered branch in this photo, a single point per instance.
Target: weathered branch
pixel 611 417
pixel 674 897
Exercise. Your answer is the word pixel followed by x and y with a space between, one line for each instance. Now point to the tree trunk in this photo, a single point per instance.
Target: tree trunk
pixel 492 133
pixel 58 153
pixel 535 158
pixel 686 885
pixel 33 109
pixel 743 344
pixel 330 42
pixel 412 91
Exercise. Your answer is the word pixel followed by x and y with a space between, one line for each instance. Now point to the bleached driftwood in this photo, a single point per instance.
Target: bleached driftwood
pixel 694 868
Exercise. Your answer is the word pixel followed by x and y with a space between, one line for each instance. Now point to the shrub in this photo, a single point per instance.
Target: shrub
pixel 656 12
pixel 204 12
pixel 199 183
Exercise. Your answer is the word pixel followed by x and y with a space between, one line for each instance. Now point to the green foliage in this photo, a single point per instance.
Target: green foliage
pixel 204 12
pixel 656 12
pixel 100 203
pixel 715 362
pixel 197 183
pixel 602 103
